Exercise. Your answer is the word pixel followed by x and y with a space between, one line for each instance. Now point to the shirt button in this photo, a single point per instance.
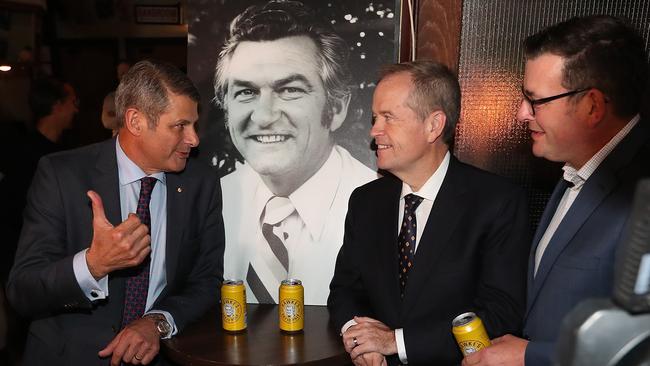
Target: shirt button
pixel 94 294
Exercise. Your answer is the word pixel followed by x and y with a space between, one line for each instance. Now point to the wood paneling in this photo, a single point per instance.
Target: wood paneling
pixel 438 31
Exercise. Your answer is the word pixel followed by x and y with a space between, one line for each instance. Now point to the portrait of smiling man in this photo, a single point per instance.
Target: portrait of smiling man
pixel 283 82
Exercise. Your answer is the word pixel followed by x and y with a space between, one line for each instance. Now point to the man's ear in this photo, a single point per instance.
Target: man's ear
pixel 594 105
pixel 57 106
pixel 339 112
pixel 434 125
pixel 134 121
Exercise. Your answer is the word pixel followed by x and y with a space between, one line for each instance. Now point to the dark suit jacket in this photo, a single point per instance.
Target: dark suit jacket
pixel 471 257
pixel 67 328
pixel 578 262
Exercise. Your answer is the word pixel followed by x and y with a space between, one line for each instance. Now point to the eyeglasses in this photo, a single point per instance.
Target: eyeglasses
pixel 535 102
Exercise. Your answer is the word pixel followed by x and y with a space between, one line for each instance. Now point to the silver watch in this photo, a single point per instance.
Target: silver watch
pixel 162 325
pixel 164 328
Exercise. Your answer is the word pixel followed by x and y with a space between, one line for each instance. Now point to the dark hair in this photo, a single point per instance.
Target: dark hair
pixel 435 86
pixel 44 93
pixel 601 52
pixel 280 19
pixel 146 86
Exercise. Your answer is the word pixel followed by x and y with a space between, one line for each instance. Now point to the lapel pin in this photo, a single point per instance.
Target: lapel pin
pixel 179 189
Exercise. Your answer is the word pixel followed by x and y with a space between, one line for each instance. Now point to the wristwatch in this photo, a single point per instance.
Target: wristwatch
pixel 162 325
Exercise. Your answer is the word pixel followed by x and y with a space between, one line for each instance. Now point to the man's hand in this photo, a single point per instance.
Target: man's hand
pixel 370 359
pixel 507 350
pixel 136 344
pixel 115 247
pixel 371 336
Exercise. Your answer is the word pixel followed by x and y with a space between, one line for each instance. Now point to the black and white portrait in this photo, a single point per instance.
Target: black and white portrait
pixel 286 94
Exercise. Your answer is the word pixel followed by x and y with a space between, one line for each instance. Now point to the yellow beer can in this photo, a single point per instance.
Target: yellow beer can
pixel 470 333
pixel 291 308
pixel 233 305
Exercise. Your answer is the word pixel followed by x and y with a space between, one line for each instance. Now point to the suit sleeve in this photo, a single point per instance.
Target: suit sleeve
pixel 200 290
pixel 539 353
pixel 347 295
pixel 42 280
pixel 500 290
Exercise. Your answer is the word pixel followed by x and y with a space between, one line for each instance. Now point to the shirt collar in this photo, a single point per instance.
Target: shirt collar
pixel 579 176
pixel 128 171
pixel 430 189
pixel 312 199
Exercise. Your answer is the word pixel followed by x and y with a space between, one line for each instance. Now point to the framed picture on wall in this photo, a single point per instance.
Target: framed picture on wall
pixel 286 90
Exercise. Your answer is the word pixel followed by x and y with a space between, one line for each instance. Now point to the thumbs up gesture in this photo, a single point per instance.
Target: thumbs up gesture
pixel 115 247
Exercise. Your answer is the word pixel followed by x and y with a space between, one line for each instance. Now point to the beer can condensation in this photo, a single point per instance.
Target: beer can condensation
pixel 233 305
pixel 470 333
pixel 291 308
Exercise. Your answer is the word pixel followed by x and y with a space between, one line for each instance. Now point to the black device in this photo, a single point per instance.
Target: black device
pixel 616 332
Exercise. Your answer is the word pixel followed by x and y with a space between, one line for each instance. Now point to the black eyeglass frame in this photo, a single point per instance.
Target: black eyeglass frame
pixel 540 101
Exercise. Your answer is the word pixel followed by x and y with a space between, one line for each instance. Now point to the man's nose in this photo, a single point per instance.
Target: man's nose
pixel 377 128
pixel 191 137
pixel 525 112
pixel 265 111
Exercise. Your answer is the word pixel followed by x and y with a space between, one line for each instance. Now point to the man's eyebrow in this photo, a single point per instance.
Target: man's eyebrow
pixel 243 84
pixel 291 78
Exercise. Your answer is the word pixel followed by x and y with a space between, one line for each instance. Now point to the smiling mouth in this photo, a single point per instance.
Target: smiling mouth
pixel 383 147
pixel 270 139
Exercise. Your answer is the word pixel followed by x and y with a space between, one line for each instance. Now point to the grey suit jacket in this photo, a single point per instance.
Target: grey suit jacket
pixel 579 260
pixel 67 328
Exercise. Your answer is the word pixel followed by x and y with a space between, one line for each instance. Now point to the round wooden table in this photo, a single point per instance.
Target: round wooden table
pixel 206 343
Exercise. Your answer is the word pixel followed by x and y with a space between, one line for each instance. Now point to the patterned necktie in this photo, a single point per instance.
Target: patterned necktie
pixel 271 263
pixel 406 239
pixel 137 284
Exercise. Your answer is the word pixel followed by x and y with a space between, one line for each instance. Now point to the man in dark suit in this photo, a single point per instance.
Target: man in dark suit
pixel 583 89
pixel 110 277
pixel 435 239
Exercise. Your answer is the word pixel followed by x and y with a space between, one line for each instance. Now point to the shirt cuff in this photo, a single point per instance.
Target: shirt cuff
pixel 347 326
pixel 401 347
pixel 169 318
pixel 93 289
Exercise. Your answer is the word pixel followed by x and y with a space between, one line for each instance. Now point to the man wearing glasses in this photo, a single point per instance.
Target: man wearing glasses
pixel 583 89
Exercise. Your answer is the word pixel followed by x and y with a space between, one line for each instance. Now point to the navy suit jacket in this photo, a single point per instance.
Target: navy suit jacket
pixel 67 328
pixel 578 262
pixel 471 257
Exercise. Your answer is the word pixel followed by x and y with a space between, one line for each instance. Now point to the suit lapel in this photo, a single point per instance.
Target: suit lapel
pixel 549 211
pixel 176 205
pixel 599 185
pixel 106 181
pixel 442 222
pixel 386 253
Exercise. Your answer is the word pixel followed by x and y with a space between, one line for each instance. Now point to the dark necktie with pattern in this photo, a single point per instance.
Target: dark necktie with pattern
pixel 406 239
pixel 137 284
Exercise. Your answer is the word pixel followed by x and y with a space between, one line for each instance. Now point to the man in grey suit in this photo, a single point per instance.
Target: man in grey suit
pixel 583 89
pixel 123 240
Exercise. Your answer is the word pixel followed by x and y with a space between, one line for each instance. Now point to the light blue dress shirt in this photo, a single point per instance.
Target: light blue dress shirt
pixel 129 177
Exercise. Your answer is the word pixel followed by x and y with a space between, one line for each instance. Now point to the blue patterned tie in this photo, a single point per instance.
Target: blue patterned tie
pixel 406 239
pixel 137 284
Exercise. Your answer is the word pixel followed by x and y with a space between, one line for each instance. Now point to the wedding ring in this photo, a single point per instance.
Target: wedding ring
pixel 137 358
pixel 354 340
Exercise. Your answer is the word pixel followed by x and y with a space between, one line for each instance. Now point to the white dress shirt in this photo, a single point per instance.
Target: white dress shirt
pixel 321 205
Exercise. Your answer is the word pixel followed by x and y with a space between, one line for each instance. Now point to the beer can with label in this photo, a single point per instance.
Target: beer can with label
pixel 233 305
pixel 470 333
pixel 291 306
